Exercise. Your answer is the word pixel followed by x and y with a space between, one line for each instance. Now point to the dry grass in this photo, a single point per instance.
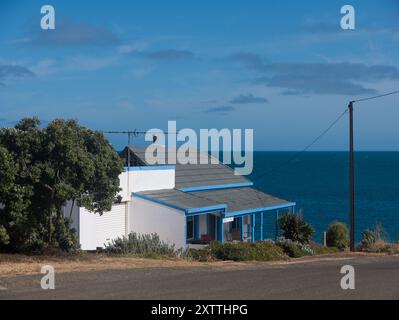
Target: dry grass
pixel 11 265
pixel 381 246
pixel 15 265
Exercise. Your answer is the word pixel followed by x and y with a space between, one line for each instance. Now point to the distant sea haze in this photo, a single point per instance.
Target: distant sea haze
pixel 319 183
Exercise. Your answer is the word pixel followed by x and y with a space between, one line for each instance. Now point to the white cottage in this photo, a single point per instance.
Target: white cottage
pixel 184 204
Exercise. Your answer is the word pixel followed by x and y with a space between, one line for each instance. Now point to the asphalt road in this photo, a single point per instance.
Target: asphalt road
pixel 375 278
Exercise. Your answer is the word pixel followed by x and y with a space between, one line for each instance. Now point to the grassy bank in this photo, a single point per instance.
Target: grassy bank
pixel 18 264
pixel 282 249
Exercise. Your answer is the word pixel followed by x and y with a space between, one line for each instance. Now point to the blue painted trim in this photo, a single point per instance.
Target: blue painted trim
pixel 157 201
pixel 221 227
pixel 261 226
pixel 203 210
pixel 188 212
pixel 277 216
pixel 185 230
pixel 218 187
pixel 217 228
pixel 242 228
pixel 149 168
pixel 196 227
pixel 253 227
pixel 250 211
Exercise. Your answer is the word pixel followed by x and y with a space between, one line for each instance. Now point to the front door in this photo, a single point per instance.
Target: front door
pixel 212 227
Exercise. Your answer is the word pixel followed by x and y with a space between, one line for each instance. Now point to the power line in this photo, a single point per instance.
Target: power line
pixel 376 97
pixel 314 141
pixel 136 132
pixel 296 155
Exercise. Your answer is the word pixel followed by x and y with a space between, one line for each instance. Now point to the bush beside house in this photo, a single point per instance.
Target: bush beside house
pixel 295 228
pixel 246 251
pixel 147 245
pixel 238 251
pixel 337 236
pixel 294 249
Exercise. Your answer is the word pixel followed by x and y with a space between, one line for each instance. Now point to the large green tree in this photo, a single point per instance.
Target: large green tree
pixel 50 166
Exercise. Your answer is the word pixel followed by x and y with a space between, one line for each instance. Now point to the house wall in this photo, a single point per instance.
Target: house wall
pixel 148 217
pixel 96 230
pixel 144 179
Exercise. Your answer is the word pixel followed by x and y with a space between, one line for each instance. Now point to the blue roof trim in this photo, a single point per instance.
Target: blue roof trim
pixel 194 211
pixel 249 211
pixel 189 212
pixel 157 201
pixel 148 168
pixel 218 187
pixel 198 211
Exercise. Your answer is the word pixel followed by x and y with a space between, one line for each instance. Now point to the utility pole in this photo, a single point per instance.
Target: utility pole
pixel 351 179
pixel 129 134
pixel 352 165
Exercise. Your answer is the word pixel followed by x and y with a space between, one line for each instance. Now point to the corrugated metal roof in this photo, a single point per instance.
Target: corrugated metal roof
pixel 194 175
pixel 236 199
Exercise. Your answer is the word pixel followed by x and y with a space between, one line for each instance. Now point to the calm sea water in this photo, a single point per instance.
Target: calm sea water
pixel 318 183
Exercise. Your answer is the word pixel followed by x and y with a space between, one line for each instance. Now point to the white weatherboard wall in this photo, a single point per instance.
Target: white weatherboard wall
pixel 96 230
pixel 146 179
pixel 148 217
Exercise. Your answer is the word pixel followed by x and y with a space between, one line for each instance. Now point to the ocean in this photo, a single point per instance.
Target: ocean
pixel 319 183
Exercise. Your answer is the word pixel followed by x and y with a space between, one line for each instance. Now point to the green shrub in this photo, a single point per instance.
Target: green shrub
pixel 65 236
pixel 319 249
pixel 375 240
pixel 371 236
pixel 338 236
pixel 266 251
pixel 295 228
pixel 245 251
pixel 146 245
pixel 4 237
pixel 34 245
pixel 203 255
pixel 294 249
pixel 230 251
pixel 258 251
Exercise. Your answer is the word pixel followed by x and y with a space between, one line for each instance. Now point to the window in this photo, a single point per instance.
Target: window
pixel 190 228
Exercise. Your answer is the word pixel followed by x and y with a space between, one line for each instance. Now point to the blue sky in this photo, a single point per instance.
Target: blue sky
pixel 283 68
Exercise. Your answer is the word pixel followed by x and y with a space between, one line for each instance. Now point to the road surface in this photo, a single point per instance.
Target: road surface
pixel 375 278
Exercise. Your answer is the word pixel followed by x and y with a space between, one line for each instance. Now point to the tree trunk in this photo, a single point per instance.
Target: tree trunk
pixel 50 226
pixel 73 204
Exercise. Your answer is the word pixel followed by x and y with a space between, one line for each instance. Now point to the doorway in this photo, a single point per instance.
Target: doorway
pixel 212 227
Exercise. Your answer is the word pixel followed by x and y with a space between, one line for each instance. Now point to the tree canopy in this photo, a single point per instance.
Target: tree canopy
pixel 43 168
